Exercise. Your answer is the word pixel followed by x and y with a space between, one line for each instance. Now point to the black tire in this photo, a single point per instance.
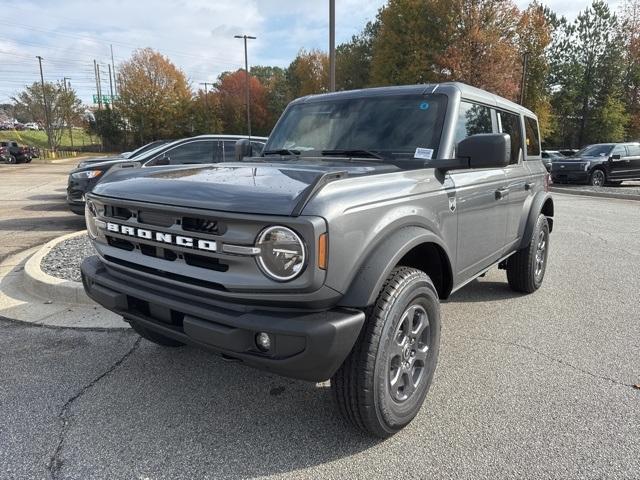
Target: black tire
pixel 362 387
pixel 12 160
pixel 525 273
pixel 154 337
pixel 597 178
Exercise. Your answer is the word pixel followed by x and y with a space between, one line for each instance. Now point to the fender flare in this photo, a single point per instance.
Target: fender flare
pixel 373 272
pixel 538 203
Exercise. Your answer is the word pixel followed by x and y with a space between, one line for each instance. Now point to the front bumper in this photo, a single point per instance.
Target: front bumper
pixel 309 345
pixel 575 176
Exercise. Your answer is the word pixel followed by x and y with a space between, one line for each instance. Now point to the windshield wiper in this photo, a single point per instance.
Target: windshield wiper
pixel 281 151
pixel 353 153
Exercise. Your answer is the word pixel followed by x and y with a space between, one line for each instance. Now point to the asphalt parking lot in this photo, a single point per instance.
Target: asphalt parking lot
pixel 537 386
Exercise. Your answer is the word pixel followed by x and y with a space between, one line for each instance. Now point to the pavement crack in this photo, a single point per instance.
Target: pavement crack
pixel 55 464
pixel 552 358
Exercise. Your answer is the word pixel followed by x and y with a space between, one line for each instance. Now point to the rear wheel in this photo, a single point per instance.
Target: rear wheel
pixel 381 386
pixel 597 178
pixel 526 267
pixel 12 159
pixel 154 337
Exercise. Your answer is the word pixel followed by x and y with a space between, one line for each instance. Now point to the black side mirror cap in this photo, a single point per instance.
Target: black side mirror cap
pixel 163 160
pixel 243 149
pixel 486 150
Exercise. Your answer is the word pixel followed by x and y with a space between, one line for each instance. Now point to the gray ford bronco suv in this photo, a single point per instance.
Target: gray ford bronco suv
pixel 326 256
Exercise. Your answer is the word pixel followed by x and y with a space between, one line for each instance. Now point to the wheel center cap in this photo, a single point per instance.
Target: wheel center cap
pixel 406 352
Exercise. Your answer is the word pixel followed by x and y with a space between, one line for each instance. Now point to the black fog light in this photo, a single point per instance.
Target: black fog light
pixel 263 341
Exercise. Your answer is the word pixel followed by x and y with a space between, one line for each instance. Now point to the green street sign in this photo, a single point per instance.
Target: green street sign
pixel 106 99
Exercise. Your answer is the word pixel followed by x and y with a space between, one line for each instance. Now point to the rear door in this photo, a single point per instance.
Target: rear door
pixel 482 216
pixel 518 175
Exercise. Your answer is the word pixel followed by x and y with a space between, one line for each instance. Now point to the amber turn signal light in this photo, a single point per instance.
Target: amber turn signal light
pixel 322 251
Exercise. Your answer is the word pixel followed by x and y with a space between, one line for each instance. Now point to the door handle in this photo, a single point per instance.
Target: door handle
pixel 501 193
pixel 529 185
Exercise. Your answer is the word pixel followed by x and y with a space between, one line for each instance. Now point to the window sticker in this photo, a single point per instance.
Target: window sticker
pixel 424 106
pixel 424 153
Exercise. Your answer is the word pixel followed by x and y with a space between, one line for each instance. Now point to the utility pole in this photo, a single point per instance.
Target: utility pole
pixel 206 101
pixel 44 102
pixel 332 45
pixel 113 65
pixel 110 83
pixel 100 86
pixel 95 72
pixel 246 77
pixel 525 60
pixel 66 91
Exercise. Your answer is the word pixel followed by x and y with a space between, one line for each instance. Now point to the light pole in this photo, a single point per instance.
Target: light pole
pixel 332 45
pixel 66 91
pixel 246 77
pixel 206 102
pixel 44 102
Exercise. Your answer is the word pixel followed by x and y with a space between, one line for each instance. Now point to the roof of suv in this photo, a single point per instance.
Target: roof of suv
pixel 222 136
pixel 466 91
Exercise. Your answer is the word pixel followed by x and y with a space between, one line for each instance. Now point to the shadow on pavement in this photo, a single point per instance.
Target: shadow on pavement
pixel 71 222
pixel 48 197
pixel 196 416
pixel 484 291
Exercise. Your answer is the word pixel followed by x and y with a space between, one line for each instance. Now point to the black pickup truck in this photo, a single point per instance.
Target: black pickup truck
pixel 14 153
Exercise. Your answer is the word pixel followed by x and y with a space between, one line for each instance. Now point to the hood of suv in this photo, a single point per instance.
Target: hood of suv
pixel 259 188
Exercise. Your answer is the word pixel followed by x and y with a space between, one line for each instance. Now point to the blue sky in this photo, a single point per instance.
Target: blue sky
pixel 196 34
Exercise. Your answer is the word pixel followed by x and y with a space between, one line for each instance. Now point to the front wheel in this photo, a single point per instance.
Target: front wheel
pixel 382 384
pixel 526 267
pixel 597 178
pixel 12 160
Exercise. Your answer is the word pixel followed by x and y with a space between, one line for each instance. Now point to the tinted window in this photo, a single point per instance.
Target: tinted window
pixel 192 152
pixel 634 150
pixel 229 150
pixel 510 124
pixel 533 140
pixel 472 119
pixel 619 150
pixel 601 150
pixel 389 125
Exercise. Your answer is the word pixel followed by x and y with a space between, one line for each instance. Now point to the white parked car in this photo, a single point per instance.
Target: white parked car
pixel 32 126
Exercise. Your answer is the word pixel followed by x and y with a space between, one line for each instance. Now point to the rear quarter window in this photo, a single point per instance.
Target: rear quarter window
pixel 532 136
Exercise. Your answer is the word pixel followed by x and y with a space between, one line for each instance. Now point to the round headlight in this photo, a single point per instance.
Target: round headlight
pixel 282 253
pixel 90 218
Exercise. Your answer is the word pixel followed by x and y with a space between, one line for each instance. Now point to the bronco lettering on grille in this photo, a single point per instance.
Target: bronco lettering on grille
pixel 162 237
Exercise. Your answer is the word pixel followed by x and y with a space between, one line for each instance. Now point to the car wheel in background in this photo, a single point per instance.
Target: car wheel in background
pixel 597 178
pixel 382 384
pixel 12 160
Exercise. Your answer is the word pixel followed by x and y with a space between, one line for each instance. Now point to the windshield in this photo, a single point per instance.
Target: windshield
pixel 595 151
pixel 387 126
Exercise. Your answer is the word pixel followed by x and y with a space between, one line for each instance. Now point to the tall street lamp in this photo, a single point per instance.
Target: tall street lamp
pixel 246 77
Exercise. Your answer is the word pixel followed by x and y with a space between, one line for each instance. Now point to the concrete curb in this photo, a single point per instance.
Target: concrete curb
pixel 589 193
pixel 46 286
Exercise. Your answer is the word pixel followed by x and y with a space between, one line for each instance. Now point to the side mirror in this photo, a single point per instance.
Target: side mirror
pixel 615 157
pixel 486 150
pixel 243 149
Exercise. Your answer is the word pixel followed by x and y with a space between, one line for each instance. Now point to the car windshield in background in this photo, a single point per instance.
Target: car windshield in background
pixel 386 127
pixel 595 151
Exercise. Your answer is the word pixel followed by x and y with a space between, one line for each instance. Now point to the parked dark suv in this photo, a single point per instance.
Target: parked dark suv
pixel 193 150
pixel 15 153
pixel 599 164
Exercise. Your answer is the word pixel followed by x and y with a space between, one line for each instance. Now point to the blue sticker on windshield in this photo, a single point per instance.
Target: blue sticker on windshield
pixel 424 106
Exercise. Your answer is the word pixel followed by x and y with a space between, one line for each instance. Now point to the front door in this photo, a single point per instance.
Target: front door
pixel 479 200
pixel 619 163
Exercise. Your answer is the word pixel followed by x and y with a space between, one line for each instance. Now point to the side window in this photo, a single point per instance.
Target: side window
pixel 619 150
pixel 633 149
pixel 229 154
pixel 257 148
pixel 192 152
pixel 510 123
pixel 472 119
pixel 532 139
